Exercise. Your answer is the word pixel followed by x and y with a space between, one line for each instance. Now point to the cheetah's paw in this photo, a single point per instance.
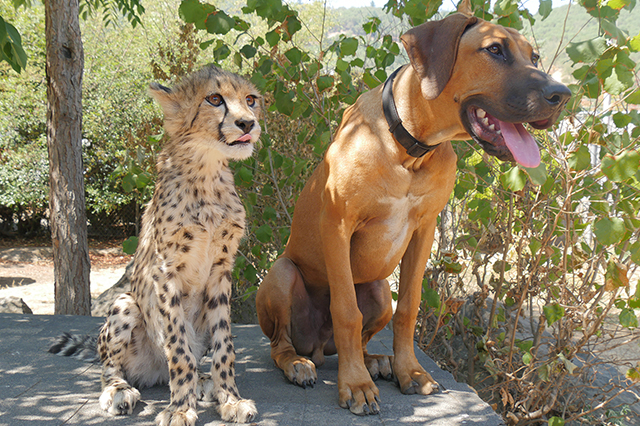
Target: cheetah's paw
pixel 119 399
pixel 172 417
pixel 238 410
pixel 204 389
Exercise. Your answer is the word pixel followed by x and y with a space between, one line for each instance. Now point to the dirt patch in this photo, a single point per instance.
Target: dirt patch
pixel 27 273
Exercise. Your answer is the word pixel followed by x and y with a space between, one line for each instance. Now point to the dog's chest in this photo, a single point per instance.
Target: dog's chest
pixel 384 237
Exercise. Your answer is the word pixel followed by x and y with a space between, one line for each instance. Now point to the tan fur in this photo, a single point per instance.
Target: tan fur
pixel 369 206
pixel 181 284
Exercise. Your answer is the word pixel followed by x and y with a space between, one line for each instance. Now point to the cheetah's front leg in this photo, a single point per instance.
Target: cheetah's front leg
pixel 114 346
pixel 220 386
pixel 182 368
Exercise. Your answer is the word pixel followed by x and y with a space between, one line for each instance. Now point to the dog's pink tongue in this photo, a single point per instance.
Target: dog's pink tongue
pixel 521 144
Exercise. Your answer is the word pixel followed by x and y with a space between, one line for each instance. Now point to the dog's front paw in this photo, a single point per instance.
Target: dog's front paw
pixel 171 416
pixel 356 390
pixel 360 400
pixel 302 372
pixel 238 410
pixel 379 366
pixel 119 399
pixel 415 380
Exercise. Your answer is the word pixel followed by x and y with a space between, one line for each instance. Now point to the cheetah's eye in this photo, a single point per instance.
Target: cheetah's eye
pixel 215 99
pixel 251 100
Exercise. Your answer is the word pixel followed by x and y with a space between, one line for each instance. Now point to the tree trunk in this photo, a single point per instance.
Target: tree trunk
pixel 65 62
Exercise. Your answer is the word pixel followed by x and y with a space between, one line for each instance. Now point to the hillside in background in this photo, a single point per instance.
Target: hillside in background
pixel 547 34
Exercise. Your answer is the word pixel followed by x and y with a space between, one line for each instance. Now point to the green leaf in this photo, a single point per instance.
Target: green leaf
pixel 527 358
pixel 621 167
pixel 609 231
pixel 545 8
pixel 543 372
pixel 284 102
pixel 633 374
pixel 129 182
pixel 634 43
pixel 143 179
pixel 432 298
pixel 292 25
pixel 250 273
pixel 371 25
pixel 587 51
pixel 219 22
pixel 430 295
pixel 245 174
pixel 635 256
pixel 537 175
pixel 248 51
pixel 618 4
pixel 634 97
pixel 190 10
pixel 324 82
pixel 621 120
pixel 348 46
pixel 514 179
pixel 628 318
pixel 130 245
pixel 580 159
pixel 294 55
pixel 534 246
pixel 505 7
pixel 264 233
pixel 556 421
pixel 221 52
pixel 272 38
pixel 553 313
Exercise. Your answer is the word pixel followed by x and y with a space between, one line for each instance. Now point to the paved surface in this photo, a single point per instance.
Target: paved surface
pixel 38 388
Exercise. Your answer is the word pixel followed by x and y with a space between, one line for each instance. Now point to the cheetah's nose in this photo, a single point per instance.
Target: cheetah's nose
pixel 245 125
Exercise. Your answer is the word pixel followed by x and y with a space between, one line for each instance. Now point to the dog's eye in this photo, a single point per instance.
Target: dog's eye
pixel 215 99
pixel 495 49
pixel 251 100
pixel 535 58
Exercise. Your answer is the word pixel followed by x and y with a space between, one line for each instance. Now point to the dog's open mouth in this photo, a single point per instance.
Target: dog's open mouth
pixel 496 135
pixel 243 140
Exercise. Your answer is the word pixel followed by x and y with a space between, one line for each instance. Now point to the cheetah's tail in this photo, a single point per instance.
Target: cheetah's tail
pixel 76 346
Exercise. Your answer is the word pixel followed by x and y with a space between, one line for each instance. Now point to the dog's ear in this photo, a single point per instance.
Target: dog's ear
pixel 464 7
pixel 432 48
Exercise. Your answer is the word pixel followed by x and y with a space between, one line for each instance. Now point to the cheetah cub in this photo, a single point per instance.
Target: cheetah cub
pixel 178 306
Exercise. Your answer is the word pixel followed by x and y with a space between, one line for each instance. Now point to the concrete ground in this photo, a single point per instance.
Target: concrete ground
pixel 38 388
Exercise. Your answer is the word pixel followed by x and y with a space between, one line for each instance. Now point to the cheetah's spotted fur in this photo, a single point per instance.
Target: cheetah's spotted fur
pixel 181 283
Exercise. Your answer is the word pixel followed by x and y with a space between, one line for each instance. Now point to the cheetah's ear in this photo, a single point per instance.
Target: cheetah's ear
pixel 165 97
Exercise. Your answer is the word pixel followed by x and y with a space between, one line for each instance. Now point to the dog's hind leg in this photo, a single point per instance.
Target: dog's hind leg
pixel 293 324
pixel 374 301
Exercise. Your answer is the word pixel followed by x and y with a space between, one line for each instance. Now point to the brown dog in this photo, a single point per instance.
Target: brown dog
pixel 373 201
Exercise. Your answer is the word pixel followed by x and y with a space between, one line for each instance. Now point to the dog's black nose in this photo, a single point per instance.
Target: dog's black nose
pixel 556 94
pixel 245 125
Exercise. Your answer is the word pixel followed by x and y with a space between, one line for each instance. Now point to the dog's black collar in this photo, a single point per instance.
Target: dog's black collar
pixel 414 147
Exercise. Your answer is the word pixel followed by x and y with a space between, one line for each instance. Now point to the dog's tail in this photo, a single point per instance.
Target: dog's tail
pixel 76 346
